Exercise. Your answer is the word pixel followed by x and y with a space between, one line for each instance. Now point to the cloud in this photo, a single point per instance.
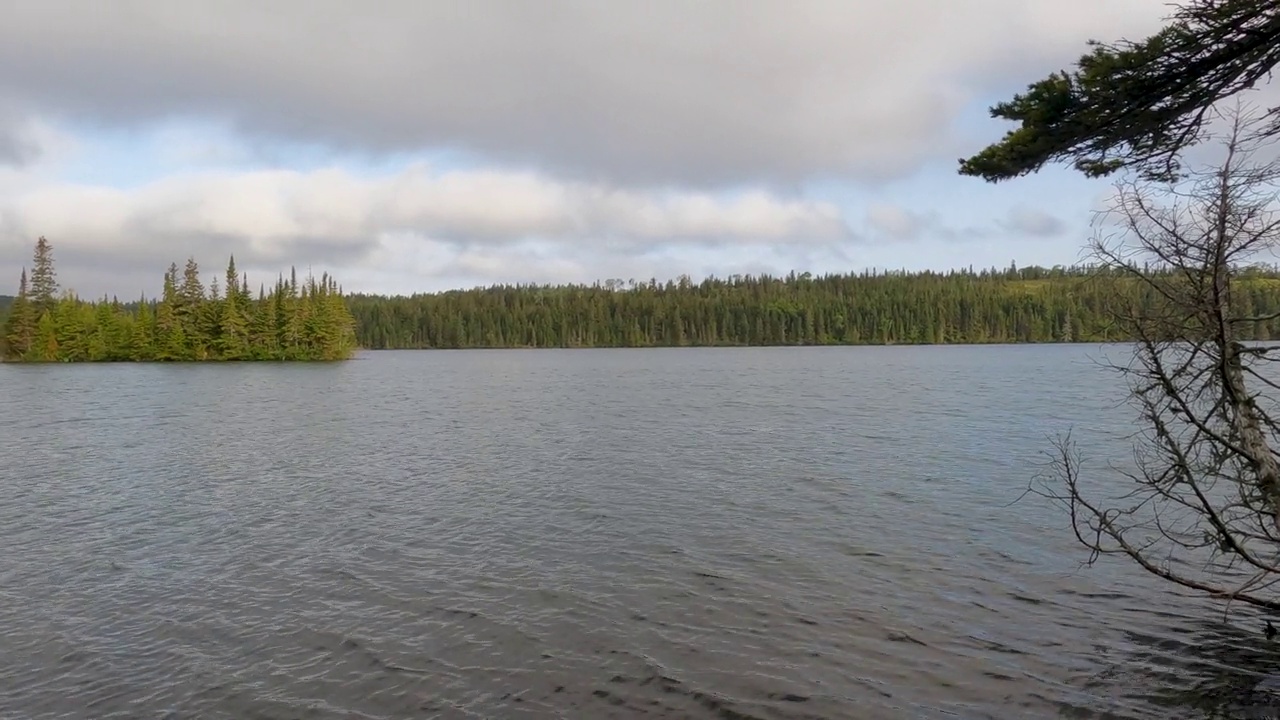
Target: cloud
pixel 1030 222
pixel 16 149
pixel 431 145
pixel 270 218
pixel 722 92
pixel 408 264
pixel 898 223
pixel 22 141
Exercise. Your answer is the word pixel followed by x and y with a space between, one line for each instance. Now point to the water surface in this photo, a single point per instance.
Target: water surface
pixel 736 533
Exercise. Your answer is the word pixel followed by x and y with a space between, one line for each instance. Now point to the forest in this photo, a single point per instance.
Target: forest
pixel 315 320
pixel 307 321
pixel 1013 305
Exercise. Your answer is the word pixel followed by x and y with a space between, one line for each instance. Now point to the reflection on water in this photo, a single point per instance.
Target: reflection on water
pixel 763 533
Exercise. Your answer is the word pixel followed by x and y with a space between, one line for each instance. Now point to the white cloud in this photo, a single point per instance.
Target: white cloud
pixel 715 92
pixel 407 264
pixel 600 140
pixel 271 206
pixel 898 223
pixel 420 228
pixel 272 217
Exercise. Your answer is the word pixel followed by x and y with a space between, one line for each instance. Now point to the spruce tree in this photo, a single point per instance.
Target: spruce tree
pixel 44 280
pixel 190 299
pixel 233 321
pixel 296 321
pixel 20 326
pixel 142 335
pixel 170 340
pixel 103 341
pixel 263 338
pixel 233 282
pixel 45 346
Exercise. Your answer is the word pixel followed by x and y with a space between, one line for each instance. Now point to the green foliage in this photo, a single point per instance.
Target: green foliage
pixel 188 322
pixel 1137 104
pixel 316 321
pixel 1017 305
pixel 20 321
pixel 44 281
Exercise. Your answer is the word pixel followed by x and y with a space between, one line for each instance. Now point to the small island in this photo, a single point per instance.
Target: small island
pixel 293 321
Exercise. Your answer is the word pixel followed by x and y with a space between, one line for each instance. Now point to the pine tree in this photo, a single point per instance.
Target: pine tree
pixel 44 346
pixel 142 335
pixel 1139 105
pixel 263 339
pixel 170 340
pixel 233 282
pixel 20 326
pixel 190 299
pixel 101 341
pixel 188 322
pixel 72 329
pixel 44 281
pixel 233 321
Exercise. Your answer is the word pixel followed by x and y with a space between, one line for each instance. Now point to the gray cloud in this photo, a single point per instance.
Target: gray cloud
pixel 894 223
pixel 20 145
pixel 1029 222
pixel 900 224
pixel 16 150
pixel 668 92
pixel 607 135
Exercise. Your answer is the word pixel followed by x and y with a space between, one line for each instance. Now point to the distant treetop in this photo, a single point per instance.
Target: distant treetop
pixel 189 322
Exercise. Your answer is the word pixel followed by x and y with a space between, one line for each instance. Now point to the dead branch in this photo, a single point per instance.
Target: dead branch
pixel 1202 507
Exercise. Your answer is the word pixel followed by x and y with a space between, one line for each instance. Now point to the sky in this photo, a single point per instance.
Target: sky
pixel 412 147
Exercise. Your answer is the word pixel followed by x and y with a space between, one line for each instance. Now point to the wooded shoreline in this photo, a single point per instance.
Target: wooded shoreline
pixel 294 321
pixel 1011 306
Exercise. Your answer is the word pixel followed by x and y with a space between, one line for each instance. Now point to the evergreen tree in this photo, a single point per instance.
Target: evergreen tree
pixel 232 330
pixel 1012 304
pixel 308 321
pixel 44 281
pixel 317 321
pixel 1138 105
pixel 143 333
pixel 190 301
pixel 45 346
pixel 170 341
pixel 263 338
pixel 233 282
pixel 20 325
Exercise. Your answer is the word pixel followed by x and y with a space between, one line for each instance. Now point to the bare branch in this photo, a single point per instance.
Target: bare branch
pixel 1201 508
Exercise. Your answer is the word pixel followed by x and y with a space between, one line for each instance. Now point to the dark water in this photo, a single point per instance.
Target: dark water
pixel 765 533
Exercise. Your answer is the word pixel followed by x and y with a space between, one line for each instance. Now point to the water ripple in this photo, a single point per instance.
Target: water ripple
pixel 750 534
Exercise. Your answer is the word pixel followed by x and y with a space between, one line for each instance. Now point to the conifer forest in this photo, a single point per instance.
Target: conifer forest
pixel 1013 305
pixel 188 322
pixel 314 320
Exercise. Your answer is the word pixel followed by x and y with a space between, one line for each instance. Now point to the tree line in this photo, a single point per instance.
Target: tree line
pixel 294 320
pixel 315 320
pixel 1014 305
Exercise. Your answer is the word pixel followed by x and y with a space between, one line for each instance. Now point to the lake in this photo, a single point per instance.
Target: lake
pixel 669 533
